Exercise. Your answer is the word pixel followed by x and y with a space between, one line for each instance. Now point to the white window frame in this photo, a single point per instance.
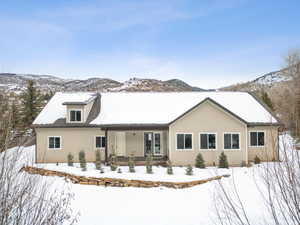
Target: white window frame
pixel 257 146
pixel 184 149
pixel 208 149
pixel 161 143
pixel 95 142
pixel 232 149
pixel 48 142
pixel 81 111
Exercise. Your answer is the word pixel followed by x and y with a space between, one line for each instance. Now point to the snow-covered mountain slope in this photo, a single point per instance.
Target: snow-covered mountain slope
pixel 266 81
pixel 46 83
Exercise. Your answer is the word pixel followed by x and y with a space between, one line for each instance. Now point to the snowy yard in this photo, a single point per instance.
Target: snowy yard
pixel 143 206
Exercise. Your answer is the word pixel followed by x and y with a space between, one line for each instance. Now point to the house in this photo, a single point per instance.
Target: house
pixel 171 125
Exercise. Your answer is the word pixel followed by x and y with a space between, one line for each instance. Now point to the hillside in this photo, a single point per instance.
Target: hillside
pixel 267 82
pixel 46 83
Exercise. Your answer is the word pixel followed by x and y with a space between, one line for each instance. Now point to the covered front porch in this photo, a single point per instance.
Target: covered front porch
pixel 137 143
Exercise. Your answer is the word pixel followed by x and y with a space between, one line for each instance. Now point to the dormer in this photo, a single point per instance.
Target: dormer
pixel 78 112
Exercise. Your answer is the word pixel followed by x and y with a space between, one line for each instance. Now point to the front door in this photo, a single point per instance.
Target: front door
pixel 152 143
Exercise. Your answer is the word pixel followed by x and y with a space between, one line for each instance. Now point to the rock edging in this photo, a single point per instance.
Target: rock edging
pixel 115 182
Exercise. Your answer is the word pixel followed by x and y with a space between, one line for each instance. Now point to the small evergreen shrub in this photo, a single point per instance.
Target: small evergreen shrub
pixel 131 164
pixel 70 160
pixel 98 160
pixel 113 163
pixel 119 170
pixel 82 160
pixel 243 163
pixel 200 163
pixel 223 162
pixel 170 168
pixel 256 160
pixel 101 170
pixel 189 170
pixel 149 160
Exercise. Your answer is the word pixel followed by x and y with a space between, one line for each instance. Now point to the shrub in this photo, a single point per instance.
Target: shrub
pixel 200 163
pixel 189 170
pixel 131 164
pixel 119 170
pixel 98 160
pixel 256 160
pixel 70 160
pixel 223 162
pixel 113 164
pixel 243 163
pixel 82 160
pixel 101 170
pixel 170 168
pixel 149 160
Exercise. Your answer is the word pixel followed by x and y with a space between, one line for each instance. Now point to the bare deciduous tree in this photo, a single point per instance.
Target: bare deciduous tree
pixel 279 186
pixel 28 199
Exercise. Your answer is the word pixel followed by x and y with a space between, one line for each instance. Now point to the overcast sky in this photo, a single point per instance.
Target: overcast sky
pixel 207 43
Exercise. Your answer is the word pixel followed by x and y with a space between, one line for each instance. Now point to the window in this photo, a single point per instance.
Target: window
pixel 75 115
pixel 184 141
pixel 257 138
pixel 100 142
pixel 54 142
pixel 231 141
pixel 157 140
pixel 207 141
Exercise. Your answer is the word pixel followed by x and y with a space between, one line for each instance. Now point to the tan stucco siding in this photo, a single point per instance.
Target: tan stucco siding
pixel 73 140
pixel 270 150
pixel 87 109
pixel 207 117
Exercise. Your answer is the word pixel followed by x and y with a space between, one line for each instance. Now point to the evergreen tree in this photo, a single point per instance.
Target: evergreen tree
pixel 98 160
pixel 70 159
pixel 131 164
pixel 31 103
pixel 189 170
pixel 82 160
pixel 266 99
pixel 169 168
pixel 223 162
pixel 149 160
pixel 200 163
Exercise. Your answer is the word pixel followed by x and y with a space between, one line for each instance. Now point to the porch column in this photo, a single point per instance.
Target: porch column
pixel 106 148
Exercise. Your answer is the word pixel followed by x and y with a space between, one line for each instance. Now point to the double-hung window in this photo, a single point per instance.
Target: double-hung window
pixel 184 141
pixel 75 115
pixel 54 143
pixel 100 141
pixel 257 138
pixel 231 141
pixel 208 141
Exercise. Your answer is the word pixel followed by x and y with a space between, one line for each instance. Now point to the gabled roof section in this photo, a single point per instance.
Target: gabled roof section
pixel 121 109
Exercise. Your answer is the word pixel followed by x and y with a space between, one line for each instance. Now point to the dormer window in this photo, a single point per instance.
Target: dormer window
pixel 75 115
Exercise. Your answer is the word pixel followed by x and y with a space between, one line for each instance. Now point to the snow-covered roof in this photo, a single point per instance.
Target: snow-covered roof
pixel 156 107
pixel 55 109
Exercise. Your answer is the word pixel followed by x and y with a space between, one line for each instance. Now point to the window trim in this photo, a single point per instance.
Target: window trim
pixel 184 149
pixel 95 142
pixel 232 149
pixel 81 111
pixel 208 149
pixel 257 146
pixel 54 149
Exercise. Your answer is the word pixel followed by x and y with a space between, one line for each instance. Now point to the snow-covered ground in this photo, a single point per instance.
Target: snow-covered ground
pixel 160 206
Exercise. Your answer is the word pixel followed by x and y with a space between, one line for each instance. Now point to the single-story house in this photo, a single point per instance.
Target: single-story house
pixel 173 126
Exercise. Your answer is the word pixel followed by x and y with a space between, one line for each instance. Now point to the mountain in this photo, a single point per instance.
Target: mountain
pixel 267 81
pixel 16 83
